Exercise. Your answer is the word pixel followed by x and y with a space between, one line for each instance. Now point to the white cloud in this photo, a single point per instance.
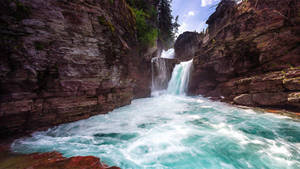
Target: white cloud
pixel 202 26
pixel 206 2
pixel 191 13
pixel 191 27
pixel 182 28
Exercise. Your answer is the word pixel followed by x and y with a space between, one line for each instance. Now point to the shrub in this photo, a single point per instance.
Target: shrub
pixel 22 11
pixel 102 21
pixel 147 34
pixel 39 45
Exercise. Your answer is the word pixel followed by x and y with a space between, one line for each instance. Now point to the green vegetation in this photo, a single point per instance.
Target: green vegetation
pixel 147 34
pixel 102 21
pixel 154 22
pixel 39 45
pixel 213 41
pixel 165 22
pixel 22 11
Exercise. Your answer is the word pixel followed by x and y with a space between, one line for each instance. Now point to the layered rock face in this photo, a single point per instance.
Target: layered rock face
pixel 64 60
pixel 251 54
pixel 186 45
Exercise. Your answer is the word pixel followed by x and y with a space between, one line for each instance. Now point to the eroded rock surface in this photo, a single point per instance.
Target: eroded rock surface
pixel 186 45
pixel 251 54
pixel 63 61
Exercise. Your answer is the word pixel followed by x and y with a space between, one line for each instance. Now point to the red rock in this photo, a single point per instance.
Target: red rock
pixel 15 107
pixel 292 84
pixel 247 57
pixel 294 99
pixel 59 57
pixel 270 99
pixel 186 45
pixel 52 160
pixel 244 99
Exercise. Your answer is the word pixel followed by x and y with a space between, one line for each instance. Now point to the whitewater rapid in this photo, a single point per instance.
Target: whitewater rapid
pixel 176 132
pixel 173 131
pixel 179 82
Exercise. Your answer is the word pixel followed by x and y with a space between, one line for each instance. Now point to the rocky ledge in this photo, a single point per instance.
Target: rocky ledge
pixel 52 160
pixel 250 54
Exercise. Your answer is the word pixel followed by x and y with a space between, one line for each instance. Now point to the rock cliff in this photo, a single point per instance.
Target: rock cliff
pixel 66 60
pixel 250 54
pixel 186 45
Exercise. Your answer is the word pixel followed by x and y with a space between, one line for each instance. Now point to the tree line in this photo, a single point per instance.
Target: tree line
pixel 155 22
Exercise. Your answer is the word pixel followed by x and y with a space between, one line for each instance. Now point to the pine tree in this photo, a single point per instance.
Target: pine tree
pixel 176 25
pixel 165 24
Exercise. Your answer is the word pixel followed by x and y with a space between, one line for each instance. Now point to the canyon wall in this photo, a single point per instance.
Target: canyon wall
pixel 66 60
pixel 250 54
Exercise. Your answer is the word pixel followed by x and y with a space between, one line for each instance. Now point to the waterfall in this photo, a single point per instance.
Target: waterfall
pixel 163 77
pixel 159 74
pixel 161 71
pixel 180 78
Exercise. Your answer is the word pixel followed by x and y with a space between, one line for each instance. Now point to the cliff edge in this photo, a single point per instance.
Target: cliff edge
pixel 250 54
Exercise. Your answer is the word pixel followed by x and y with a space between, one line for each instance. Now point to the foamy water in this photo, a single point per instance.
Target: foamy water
pixel 176 132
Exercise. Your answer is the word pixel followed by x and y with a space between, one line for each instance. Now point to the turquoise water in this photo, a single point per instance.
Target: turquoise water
pixel 177 132
pixel 179 81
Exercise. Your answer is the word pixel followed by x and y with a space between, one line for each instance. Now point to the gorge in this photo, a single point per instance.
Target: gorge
pixel 172 130
pixel 91 80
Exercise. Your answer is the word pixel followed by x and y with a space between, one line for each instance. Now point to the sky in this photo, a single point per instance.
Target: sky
pixel 193 13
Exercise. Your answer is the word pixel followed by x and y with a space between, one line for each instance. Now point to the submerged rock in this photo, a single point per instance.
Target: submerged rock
pixel 52 160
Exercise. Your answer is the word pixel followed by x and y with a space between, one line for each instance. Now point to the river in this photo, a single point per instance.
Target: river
pixel 174 131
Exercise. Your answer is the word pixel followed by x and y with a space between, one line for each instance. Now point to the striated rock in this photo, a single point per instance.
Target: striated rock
pixel 52 160
pixel 250 53
pixel 221 17
pixel 294 99
pixel 244 99
pixel 270 99
pixel 63 61
pixel 186 45
pixel 292 84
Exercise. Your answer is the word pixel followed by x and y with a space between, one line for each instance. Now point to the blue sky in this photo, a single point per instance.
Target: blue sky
pixel 193 13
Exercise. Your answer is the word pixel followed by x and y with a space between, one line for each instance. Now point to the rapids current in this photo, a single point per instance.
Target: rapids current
pixel 174 131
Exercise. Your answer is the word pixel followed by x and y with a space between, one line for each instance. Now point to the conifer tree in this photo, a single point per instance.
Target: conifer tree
pixel 165 24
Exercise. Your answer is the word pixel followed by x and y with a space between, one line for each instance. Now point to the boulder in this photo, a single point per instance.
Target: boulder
pixel 51 160
pixel 186 45
pixel 244 99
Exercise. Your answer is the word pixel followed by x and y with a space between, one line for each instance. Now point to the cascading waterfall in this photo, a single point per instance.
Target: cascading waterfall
pixel 176 132
pixel 159 74
pixel 180 78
